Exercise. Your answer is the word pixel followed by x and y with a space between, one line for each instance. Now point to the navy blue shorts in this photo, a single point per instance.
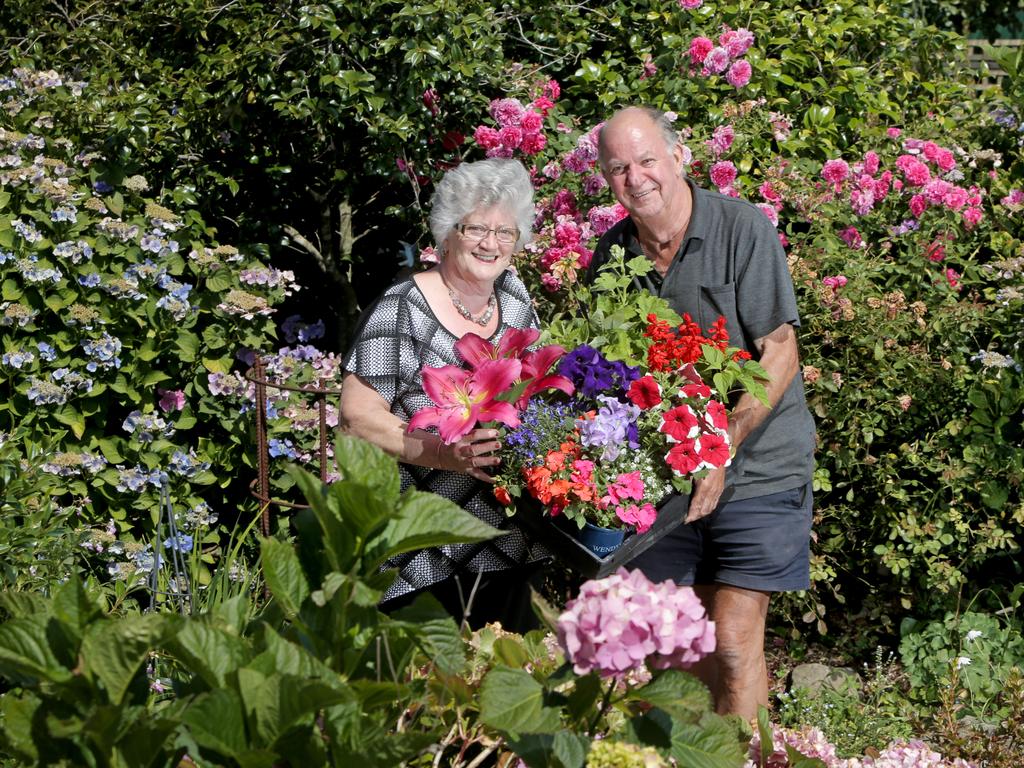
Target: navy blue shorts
pixel 761 543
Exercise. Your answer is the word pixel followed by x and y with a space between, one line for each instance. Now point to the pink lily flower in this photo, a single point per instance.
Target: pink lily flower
pixel 475 349
pixel 535 368
pixel 465 398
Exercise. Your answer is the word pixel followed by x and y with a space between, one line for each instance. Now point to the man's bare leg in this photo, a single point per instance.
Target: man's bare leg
pixel 736 673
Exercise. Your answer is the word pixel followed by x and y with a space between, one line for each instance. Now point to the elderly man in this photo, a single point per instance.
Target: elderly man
pixel 748 526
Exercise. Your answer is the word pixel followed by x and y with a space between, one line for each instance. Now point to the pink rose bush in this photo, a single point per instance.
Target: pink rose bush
pixel 726 57
pixel 624 622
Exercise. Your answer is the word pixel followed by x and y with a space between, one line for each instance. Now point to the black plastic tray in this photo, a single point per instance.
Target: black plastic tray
pixel 671 513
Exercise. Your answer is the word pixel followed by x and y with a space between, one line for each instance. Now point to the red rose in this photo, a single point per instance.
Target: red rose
pixel 503 497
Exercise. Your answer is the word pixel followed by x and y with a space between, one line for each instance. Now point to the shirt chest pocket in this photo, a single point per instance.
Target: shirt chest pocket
pixel 720 301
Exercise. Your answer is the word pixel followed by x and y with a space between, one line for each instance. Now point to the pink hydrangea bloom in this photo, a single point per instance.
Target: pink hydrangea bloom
pixel 736 41
pixel 739 73
pixel 716 61
pixel 171 399
pixel 700 47
pixel 835 171
pixel 723 174
pixel 809 741
pixel 721 139
pixel 617 624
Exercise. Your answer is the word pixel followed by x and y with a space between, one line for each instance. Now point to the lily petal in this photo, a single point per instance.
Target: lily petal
pixel 475 349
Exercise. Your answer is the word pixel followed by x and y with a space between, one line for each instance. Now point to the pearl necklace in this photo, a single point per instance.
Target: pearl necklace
pixel 485 315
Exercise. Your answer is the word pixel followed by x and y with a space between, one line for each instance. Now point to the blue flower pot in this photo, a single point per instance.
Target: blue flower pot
pixel 601 541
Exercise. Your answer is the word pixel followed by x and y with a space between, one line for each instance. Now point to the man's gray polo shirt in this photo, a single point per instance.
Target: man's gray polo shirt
pixel 731 263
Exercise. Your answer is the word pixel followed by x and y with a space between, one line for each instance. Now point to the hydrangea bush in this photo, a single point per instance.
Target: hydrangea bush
pixel 117 316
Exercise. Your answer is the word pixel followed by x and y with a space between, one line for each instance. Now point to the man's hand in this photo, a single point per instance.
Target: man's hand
pixel 706 493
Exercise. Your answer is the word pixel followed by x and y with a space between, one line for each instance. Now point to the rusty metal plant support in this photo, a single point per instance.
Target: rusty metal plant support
pixel 257 374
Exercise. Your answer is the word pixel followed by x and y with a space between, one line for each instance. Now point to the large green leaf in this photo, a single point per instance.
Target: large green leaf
pixel 339 543
pixel 25 652
pixel 283 573
pixel 428 520
pixel 435 632
pixel 712 742
pixel 545 750
pixel 512 701
pixel 213 653
pixel 679 693
pixel 365 463
pixel 276 702
pixel 114 650
pixel 17 714
pixel 216 720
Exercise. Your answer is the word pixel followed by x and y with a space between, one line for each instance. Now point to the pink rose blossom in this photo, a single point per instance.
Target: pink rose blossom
pixel 871 163
pixel 736 41
pixel 862 200
pixel 690 5
pixel 507 111
pixel 1016 197
pixel 739 73
pixel 770 212
pixel 428 255
pixel 721 139
pixel 835 171
pixel 767 191
pixel 955 198
pixel 917 206
pixel 486 137
pixel 852 237
pixel 893 133
pixel 972 217
pixel 715 62
pixel 511 136
pixel 550 283
pixel 914 171
pixel 553 170
pixel 700 47
pixel 723 174
pixel 650 69
pixel 533 143
pixel 499 151
pixel 531 122
pixel 552 90
pixel 430 101
pixel 594 184
pixel 543 105
pixel 604 218
pixel 936 251
pixel 953 278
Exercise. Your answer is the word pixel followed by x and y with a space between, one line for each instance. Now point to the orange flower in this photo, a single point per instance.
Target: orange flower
pixel 555 460
pixel 503 497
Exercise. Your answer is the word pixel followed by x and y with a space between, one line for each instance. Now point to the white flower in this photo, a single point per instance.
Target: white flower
pixel 974 634
pixel 962 661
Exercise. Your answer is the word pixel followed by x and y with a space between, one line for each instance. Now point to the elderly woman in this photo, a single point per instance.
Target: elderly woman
pixel 480 215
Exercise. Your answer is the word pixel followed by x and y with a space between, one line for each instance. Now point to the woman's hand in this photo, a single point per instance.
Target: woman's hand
pixel 471 455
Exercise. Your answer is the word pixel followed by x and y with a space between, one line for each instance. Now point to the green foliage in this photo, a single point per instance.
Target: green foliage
pixel 856 718
pixel 317 675
pixel 973 653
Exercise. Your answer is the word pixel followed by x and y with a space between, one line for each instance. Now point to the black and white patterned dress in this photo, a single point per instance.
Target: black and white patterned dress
pixel 396 338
